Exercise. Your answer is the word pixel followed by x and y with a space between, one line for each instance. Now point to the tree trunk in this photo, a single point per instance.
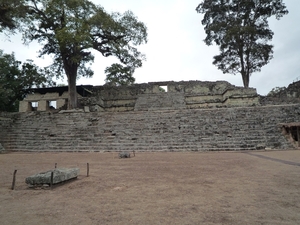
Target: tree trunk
pixel 71 72
pixel 72 101
pixel 245 77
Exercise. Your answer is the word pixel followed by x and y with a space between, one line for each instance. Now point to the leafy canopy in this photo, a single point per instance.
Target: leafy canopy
pixel 240 28
pixel 119 76
pixel 11 13
pixel 275 91
pixel 16 77
pixel 70 29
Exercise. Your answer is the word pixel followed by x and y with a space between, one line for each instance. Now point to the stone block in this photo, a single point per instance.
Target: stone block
pixel 60 103
pixel 2 149
pixel 43 105
pixel 34 97
pixel 51 96
pixel 25 106
pixel 96 108
pixel 124 155
pixel 59 175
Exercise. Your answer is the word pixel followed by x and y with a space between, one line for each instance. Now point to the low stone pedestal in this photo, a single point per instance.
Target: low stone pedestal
pixel 59 175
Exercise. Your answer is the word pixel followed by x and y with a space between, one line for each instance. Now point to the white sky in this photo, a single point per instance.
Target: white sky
pixel 175 50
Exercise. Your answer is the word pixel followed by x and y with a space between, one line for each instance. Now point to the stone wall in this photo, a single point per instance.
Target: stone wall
pixel 179 95
pixel 148 96
pixel 42 101
pixel 182 129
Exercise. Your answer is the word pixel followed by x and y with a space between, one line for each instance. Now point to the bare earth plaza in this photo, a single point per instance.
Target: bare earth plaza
pixel 156 188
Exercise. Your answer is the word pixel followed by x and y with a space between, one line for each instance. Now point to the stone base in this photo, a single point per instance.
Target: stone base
pixel 59 175
pixel 2 149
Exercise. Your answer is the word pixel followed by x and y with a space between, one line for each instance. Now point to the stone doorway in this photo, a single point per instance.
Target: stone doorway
pixel 292 132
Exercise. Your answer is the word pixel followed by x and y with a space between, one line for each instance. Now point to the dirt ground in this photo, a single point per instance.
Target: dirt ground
pixel 155 188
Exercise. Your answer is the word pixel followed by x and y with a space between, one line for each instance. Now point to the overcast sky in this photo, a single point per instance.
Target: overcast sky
pixel 175 50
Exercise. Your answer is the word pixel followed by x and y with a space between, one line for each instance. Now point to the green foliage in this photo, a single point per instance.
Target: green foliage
pixel 161 89
pixel 118 75
pixel 240 28
pixel 275 91
pixel 16 77
pixel 11 13
pixel 70 29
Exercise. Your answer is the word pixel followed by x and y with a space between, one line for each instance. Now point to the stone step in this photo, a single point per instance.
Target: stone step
pixel 145 149
pixel 163 130
pixel 136 147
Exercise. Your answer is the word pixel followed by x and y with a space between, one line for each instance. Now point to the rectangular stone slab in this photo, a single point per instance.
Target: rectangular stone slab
pixel 59 175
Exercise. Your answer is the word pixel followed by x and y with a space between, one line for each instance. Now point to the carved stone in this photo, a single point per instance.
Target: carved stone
pixel 59 175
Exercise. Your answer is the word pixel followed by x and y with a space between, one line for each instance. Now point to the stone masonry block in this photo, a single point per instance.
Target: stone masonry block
pixel 33 97
pixel 59 175
pixel 60 103
pixel 43 105
pixel 24 106
pixel 51 96
pixel 123 155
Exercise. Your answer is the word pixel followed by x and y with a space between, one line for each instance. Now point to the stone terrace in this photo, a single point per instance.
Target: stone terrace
pixel 240 128
pixel 190 116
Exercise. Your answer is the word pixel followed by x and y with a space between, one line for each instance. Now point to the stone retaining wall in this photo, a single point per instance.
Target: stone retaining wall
pixel 239 128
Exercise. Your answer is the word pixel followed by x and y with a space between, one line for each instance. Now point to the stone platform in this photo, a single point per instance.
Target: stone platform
pixel 59 175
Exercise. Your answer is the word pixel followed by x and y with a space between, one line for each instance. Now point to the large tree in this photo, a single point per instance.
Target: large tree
pixel 70 29
pixel 241 30
pixel 16 78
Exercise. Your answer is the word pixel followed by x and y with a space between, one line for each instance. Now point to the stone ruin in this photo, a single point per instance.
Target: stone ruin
pixel 144 97
pixel 289 95
pixel 188 116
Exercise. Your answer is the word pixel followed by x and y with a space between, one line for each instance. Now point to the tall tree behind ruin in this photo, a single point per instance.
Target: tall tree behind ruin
pixel 16 77
pixel 70 29
pixel 241 30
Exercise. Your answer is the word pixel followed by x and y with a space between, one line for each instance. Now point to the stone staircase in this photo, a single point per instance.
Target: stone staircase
pixel 230 129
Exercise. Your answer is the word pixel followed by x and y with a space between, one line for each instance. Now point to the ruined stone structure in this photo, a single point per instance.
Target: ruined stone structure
pixel 144 97
pixel 190 116
pixel 40 99
pixel 289 95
